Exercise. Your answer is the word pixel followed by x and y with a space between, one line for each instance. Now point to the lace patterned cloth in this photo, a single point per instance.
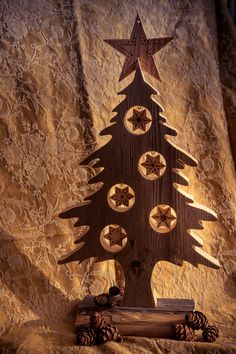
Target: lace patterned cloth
pixel 59 84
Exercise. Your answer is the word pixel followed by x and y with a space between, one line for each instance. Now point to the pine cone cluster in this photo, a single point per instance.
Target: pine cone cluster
pixel 195 320
pixel 98 331
pixel 111 299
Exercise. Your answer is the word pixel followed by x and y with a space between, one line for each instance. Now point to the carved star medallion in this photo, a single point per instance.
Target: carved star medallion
pixel 122 196
pixel 164 217
pixel 153 165
pixel 139 47
pixel 139 120
pixel 115 236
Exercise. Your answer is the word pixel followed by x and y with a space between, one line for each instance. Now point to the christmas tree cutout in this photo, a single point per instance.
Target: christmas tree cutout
pixel 140 217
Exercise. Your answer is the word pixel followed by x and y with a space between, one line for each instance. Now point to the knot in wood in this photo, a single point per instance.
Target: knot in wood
pixel 137 266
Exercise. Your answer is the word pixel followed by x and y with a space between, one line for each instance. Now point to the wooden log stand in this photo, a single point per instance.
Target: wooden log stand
pixel 141 322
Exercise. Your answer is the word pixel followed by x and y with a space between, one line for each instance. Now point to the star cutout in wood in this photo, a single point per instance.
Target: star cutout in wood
pixel 139 47
pixel 115 236
pixel 164 217
pixel 139 120
pixel 153 164
pixel 122 196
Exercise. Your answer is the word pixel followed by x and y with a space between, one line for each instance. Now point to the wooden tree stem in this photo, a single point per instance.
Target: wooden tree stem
pixel 138 291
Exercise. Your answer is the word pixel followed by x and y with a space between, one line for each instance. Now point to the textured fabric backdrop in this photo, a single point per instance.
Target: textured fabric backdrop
pixel 59 84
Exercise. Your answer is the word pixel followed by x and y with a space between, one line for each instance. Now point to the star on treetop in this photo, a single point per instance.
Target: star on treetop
pixel 115 236
pixel 139 47
pixel 153 164
pixel 139 120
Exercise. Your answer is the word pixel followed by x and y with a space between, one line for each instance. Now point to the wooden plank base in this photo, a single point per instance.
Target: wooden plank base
pixel 140 322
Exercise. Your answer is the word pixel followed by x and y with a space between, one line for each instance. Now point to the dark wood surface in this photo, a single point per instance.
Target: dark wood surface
pixel 145 247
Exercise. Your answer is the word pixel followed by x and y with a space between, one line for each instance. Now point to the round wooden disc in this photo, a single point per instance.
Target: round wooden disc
pixel 152 165
pixel 121 197
pixel 163 218
pixel 138 120
pixel 113 238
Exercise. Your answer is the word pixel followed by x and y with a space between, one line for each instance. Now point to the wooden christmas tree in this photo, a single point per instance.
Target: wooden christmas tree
pixel 139 216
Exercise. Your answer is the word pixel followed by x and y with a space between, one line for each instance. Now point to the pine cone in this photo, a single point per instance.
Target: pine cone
pixel 113 301
pixel 182 331
pixel 97 321
pixel 101 300
pixel 196 320
pixel 210 334
pixel 108 333
pixel 86 336
pixel 114 290
pixel 114 297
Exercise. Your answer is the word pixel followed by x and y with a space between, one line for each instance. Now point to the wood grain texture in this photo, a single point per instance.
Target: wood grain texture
pixel 145 246
pixel 138 47
pixel 173 305
pixel 146 322
pixel 138 323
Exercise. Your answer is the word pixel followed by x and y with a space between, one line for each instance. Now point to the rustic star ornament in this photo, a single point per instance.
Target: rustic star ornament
pixel 139 120
pixel 122 196
pixel 139 47
pixel 164 217
pixel 153 165
pixel 115 236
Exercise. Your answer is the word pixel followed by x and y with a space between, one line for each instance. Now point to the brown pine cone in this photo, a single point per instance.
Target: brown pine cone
pixel 101 300
pixel 113 301
pixel 97 321
pixel 182 331
pixel 115 296
pixel 196 320
pixel 210 334
pixel 86 336
pixel 114 290
pixel 108 333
